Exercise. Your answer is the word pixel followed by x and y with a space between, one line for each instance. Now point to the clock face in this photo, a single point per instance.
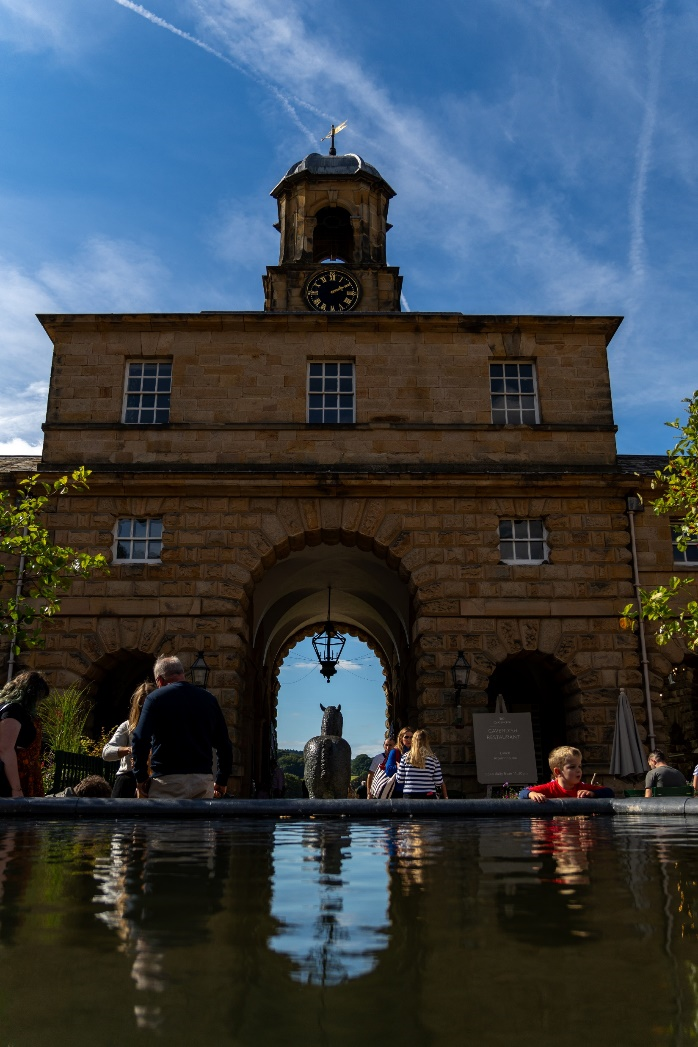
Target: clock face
pixel 332 291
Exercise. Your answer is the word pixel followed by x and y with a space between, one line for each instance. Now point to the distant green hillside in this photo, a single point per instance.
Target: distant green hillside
pixel 291 762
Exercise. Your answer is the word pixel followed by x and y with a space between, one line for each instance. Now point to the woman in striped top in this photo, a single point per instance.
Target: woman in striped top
pixel 419 772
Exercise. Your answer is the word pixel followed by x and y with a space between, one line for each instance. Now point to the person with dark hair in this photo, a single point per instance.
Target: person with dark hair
pixel 119 745
pixel 661 775
pixel 278 781
pixel 20 736
pixel 378 761
pixel 92 786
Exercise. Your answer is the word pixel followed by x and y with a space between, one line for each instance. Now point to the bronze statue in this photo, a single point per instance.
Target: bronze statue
pixel 328 759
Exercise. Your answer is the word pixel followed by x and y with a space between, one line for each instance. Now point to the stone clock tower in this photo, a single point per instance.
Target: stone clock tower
pixel 333 220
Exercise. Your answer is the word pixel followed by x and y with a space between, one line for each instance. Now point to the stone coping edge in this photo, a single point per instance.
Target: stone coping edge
pixel 364 810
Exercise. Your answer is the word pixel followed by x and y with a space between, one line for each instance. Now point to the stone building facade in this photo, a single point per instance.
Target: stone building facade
pixel 453 477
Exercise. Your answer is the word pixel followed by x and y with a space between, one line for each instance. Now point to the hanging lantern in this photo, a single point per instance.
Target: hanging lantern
pixel 328 644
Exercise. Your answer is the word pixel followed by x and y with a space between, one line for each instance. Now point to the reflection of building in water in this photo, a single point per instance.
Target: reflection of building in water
pixel 10 884
pixel 567 841
pixel 412 847
pixel 473 925
pixel 332 906
pixel 543 894
pixel 160 889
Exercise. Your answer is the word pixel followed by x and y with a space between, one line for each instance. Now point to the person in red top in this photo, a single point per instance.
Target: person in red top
pixel 566 764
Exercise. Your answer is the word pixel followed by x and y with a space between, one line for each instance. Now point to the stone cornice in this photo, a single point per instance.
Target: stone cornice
pixel 549 427
pixel 249 321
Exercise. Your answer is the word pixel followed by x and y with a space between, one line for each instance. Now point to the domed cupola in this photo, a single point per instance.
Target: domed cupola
pixel 333 221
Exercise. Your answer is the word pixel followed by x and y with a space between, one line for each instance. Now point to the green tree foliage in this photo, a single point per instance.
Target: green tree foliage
pixel 667 605
pixel 294 786
pixel 360 765
pixel 35 571
pixel 291 762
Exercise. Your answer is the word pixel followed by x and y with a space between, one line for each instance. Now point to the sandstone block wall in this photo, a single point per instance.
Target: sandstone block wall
pixel 239 390
pixel 220 540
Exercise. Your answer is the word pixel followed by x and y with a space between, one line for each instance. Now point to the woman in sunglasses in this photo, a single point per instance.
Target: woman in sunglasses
pixel 404 741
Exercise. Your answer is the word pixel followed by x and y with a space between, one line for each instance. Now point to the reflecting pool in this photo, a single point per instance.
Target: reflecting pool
pixel 485 931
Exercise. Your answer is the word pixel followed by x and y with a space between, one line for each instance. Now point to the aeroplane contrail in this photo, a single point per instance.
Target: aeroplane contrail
pixel 156 20
pixel 654 34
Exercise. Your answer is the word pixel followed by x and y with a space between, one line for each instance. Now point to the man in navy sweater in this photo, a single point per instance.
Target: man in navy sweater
pixel 179 727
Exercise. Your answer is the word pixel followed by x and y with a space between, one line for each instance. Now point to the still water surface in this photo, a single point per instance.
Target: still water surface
pixel 490 932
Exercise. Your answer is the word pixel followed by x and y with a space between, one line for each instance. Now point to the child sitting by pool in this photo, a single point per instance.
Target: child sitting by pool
pixel 566 764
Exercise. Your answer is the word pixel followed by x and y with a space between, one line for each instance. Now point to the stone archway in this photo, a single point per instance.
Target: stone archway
pixel 677 715
pixel 369 600
pixel 539 684
pixel 112 680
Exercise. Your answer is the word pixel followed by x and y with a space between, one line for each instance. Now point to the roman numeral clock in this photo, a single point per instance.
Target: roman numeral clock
pixel 333 221
pixel 332 291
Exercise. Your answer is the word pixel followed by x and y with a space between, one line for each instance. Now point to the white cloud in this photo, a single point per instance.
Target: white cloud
pixel 271 36
pixel 344 663
pixel 21 413
pixel 282 98
pixel 104 276
pixel 654 33
pixel 63 26
pixel 244 237
pixel 16 446
pixel 589 111
pixel 369 748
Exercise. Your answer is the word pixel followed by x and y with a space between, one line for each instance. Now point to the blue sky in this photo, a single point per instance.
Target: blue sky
pixel 544 153
pixel 357 687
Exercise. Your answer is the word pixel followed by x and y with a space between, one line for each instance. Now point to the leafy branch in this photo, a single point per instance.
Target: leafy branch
pixel 667 605
pixel 40 570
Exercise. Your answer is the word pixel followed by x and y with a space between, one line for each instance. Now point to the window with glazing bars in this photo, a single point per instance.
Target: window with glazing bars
pixel 522 541
pixel 138 541
pixel 513 392
pixel 689 555
pixel 147 396
pixel 331 392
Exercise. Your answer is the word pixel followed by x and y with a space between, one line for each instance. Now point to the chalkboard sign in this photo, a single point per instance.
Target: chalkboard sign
pixel 504 750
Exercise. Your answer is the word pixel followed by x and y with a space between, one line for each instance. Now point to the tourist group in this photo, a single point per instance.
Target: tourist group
pixel 165 751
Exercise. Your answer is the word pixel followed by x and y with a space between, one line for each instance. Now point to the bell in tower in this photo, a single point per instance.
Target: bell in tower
pixel 333 221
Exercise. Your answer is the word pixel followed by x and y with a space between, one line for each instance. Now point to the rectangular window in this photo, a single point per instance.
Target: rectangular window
pixel 331 397
pixel 513 393
pixel 522 541
pixel 147 395
pixel 689 555
pixel 138 541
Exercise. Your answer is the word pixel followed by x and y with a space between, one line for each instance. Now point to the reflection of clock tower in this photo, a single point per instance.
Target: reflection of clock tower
pixel 333 214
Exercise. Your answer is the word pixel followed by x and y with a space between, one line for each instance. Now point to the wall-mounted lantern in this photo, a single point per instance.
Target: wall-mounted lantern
pixel 460 671
pixel 199 671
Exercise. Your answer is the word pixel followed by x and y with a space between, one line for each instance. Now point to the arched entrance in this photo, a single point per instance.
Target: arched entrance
pixel 369 600
pixel 111 681
pixel 679 698
pixel 536 683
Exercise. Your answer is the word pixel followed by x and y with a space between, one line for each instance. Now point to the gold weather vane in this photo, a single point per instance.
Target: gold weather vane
pixel 334 131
